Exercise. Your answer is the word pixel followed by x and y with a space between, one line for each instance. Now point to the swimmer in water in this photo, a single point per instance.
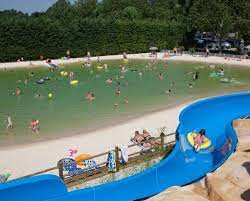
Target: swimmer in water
pixel 9 122
pixel 25 81
pixel 195 75
pixel 116 105
pixel 34 125
pixel 161 76
pixel 118 92
pixel 90 96
pixel 168 91
pixel 18 91
pixel 126 101
pixel 31 74
pixel 109 81
pixel 71 74
pixel 123 69
pixel 38 95
pixel 221 71
pixel 190 85
pixel 140 74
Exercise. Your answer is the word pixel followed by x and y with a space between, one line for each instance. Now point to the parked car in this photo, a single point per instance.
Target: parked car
pixel 213 47
pixel 226 46
pixel 247 50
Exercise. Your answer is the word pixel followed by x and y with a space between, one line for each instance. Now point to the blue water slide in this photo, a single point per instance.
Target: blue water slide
pixel 32 189
pixel 181 167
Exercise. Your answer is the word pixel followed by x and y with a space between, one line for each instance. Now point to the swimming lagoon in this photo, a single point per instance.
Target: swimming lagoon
pixel 67 113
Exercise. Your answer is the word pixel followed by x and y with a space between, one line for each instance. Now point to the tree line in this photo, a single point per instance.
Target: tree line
pixel 115 26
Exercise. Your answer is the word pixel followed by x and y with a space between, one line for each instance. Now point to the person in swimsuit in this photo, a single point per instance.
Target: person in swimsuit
pixel 168 91
pixel 221 72
pixel 190 85
pixel 118 92
pixel 161 76
pixel 138 137
pixel 9 122
pixel 109 81
pixel 71 74
pixel 195 75
pixel 18 91
pixel 34 125
pixel 199 139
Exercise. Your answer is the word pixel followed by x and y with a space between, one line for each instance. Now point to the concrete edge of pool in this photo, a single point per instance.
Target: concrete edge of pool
pixel 213 114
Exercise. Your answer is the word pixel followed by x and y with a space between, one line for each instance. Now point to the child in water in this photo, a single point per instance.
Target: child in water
pixel 9 122
pixel 18 91
pixel 196 76
pixel 118 92
pixel 161 76
pixel 34 125
pixel 199 139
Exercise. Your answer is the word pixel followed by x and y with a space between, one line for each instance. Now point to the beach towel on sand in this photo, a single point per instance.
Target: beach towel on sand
pixel 111 161
pixel 124 153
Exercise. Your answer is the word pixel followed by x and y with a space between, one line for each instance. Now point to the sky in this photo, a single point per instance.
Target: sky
pixel 26 6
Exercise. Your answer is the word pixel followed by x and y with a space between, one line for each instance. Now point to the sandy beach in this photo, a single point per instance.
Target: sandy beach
pixel 27 159
pixel 184 57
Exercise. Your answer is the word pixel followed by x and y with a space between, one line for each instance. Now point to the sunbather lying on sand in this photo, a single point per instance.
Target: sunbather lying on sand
pixel 138 137
pixel 147 136
pixel 143 138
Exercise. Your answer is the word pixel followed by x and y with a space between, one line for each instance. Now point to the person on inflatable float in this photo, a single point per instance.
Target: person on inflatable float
pixel 199 139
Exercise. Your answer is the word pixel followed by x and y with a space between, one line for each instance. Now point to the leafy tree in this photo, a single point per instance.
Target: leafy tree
pixel 130 13
pixel 213 15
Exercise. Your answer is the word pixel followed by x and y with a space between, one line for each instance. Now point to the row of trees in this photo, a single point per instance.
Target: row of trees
pixel 114 26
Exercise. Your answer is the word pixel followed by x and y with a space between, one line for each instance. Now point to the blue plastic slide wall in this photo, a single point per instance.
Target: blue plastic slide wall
pixel 181 167
pixel 33 189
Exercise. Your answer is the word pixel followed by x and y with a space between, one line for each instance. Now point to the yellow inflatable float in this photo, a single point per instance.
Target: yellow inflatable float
pixel 80 158
pixel 206 143
pixel 64 73
pixel 99 67
pixel 73 82
pixel 125 60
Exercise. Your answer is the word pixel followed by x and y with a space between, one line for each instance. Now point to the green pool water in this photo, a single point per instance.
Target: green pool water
pixel 68 113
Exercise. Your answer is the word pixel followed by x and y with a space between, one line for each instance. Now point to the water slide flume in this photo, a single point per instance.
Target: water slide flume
pixel 181 167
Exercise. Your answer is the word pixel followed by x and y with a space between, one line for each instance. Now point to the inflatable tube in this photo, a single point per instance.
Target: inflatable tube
pixel 125 60
pixel 73 82
pixel 215 75
pixel 80 158
pixel 64 73
pixel 99 67
pixel 191 136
